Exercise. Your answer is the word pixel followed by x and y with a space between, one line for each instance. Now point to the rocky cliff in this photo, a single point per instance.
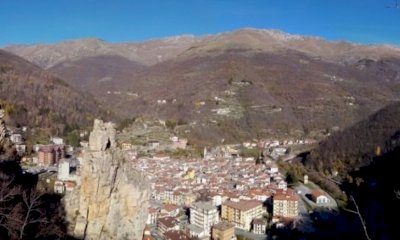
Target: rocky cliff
pixel 112 200
pixel 3 130
pixel 6 150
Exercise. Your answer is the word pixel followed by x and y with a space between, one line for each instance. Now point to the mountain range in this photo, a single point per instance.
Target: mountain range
pixel 232 86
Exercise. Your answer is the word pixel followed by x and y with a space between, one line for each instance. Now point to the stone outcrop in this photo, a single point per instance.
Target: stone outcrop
pixel 113 198
pixel 102 137
pixel 3 129
pixel 6 146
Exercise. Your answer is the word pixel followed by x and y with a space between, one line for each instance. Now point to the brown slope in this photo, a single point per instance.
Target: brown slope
pixel 98 74
pixel 356 146
pixel 147 53
pixel 267 93
pixel 37 98
pixel 276 41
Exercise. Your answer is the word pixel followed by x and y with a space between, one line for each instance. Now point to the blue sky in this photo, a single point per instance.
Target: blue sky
pixel 49 21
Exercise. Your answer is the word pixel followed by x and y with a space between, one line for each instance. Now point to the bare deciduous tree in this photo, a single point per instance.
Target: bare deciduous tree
pixel 31 211
pixel 357 211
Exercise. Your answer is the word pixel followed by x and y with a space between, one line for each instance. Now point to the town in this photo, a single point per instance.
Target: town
pixel 220 195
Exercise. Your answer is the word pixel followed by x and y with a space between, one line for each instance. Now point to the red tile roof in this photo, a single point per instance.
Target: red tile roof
pixel 317 193
pixel 243 205
pixel 286 197
pixel 169 222
pixel 175 235
pixel 223 226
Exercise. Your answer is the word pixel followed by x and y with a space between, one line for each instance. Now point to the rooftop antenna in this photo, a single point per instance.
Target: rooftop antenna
pixel 395 5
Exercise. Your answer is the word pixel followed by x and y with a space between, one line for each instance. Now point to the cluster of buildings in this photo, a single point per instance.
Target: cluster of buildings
pixel 48 155
pixel 55 157
pixel 217 195
pixel 17 138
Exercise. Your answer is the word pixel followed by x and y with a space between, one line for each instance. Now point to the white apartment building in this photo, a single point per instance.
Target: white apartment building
pixel 204 215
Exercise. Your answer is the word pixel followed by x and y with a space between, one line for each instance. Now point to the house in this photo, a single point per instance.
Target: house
pixel 153 144
pixel 27 160
pixel 190 174
pixel 216 199
pixel 320 197
pixel 189 199
pixel 259 226
pixel 147 233
pixel 84 144
pixel 272 170
pixel 223 231
pixel 57 140
pixel 166 224
pixel 21 148
pixel 170 210
pixel 153 215
pixel 282 184
pixel 36 147
pixel 241 213
pixel 260 195
pixel 126 146
pixel 70 185
pixel 194 231
pixel 16 138
pixel 59 187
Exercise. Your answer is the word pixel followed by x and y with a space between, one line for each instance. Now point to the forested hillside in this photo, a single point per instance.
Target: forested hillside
pixel 356 146
pixel 366 157
pixel 31 96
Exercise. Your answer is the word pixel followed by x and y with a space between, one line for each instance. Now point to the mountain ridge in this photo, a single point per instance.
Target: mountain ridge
pixel 158 50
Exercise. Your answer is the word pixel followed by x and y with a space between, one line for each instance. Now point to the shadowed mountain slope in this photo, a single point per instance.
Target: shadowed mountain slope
pixel 34 97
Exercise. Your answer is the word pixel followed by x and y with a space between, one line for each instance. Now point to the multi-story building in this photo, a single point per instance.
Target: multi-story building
pixel 259 226
pixel 50 154
pixel 204 215
pixel 241 213
pixel 46 156
pixel 223 231
pixel 166 224
pixel 286 205
pixel 153 215
pixel 63 170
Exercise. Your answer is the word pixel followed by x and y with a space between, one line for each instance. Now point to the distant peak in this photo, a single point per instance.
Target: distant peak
pixel 276 33
pixel 87 40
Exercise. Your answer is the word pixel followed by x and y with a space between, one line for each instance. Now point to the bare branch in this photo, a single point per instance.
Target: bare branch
pixel 349 210
pixel 32 202
pixel 360 216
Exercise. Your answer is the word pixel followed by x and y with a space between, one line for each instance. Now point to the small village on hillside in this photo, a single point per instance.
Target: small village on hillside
pixel 221 194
